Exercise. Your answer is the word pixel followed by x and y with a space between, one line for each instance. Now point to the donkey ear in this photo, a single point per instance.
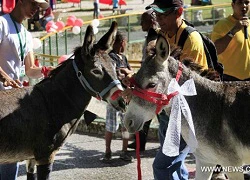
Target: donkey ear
pixel 108 39
pixel 88 40
pixel 162 48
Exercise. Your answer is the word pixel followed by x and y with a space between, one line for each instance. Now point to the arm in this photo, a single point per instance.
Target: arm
pixel 126 71
pixel 31 70
pixel 222 43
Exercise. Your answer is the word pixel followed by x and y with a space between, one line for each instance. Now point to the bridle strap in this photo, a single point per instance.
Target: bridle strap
pixel 179 72
pixel 87 86
pixel 159 99
pixel 110 86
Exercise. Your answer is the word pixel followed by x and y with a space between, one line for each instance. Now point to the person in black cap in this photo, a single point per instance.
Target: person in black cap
pixel 168 15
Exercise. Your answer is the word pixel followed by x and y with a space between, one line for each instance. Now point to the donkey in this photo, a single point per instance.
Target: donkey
pixel 220 112
pixel 36 121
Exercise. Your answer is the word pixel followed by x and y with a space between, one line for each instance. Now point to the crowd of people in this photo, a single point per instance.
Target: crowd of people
pixel 230 36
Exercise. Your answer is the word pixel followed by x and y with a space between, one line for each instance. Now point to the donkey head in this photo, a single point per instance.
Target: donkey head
pixel 153 77
pixel 98 68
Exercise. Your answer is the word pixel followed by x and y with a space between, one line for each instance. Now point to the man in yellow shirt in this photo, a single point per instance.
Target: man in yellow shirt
pixel 171 24
pixel 232 46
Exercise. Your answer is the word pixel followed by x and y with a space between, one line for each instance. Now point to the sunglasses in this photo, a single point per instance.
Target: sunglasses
pixel 162 15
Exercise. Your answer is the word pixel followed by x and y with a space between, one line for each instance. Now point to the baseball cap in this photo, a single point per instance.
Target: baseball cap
pixel 43 4
pixel 162 6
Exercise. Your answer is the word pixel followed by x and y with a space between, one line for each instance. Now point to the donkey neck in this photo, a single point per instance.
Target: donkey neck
pixel 65 96
pixel 174 66
pixel 202 82
pixel 72 89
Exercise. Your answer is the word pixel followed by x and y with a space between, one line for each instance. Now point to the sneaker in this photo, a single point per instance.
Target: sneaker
pixel 125 156
pixel 107 157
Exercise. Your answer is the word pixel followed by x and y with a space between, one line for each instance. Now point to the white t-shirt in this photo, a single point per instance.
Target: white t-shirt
pixel 10 51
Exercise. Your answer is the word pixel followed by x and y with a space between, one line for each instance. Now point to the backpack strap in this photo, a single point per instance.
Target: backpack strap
pixel 212 59
pixel 184 35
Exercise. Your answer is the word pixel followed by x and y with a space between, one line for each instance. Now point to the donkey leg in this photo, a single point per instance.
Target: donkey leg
pixel 31 169
pixel 44 167
pixel 203 170
pixel 43 171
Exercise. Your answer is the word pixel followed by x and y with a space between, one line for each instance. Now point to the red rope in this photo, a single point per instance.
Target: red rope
pixel 137 137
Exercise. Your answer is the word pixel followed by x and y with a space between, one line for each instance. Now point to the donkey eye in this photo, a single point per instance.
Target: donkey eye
pixel 97 71
pixel 151 85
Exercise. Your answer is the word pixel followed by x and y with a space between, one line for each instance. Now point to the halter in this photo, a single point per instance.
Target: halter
pixel 87 86
pixel 159 99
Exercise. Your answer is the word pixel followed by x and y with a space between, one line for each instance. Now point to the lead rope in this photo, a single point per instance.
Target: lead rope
pixel 137 137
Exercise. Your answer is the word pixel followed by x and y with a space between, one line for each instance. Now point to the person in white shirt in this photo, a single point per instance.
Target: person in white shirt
pixel 17 60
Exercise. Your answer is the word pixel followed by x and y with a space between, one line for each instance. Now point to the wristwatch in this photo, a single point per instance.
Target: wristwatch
pixel 230 34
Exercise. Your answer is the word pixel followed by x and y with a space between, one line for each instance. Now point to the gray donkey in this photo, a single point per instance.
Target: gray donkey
pixel 220 111
pixel 36 121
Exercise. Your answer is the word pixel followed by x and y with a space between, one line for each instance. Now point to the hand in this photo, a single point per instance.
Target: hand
pixel 8 81
pixel 127 95
pixel 120 75
pixel 125 71
pixel 13 83
pixel 46 70
pixel 240 24
pixel 126 81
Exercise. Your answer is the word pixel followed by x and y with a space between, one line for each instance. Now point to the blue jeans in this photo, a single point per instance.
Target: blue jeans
pixel 9 171
pixel 115 4
pixel 165 167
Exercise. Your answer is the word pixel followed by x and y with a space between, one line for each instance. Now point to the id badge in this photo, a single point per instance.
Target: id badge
pixel 22 72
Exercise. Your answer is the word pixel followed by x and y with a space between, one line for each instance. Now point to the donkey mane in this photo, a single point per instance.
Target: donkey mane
pixel 61 66
pixel 211 74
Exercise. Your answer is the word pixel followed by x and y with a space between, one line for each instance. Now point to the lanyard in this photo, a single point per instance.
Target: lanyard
pixel 20 41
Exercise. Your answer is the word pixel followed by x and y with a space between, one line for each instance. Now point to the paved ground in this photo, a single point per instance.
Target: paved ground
pixel 80 158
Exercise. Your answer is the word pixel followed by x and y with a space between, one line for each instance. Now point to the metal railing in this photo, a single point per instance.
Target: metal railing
pixel 64 42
